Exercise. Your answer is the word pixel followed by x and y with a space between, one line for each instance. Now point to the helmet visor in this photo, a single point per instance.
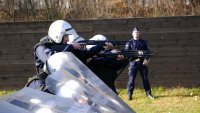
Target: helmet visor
pixel 68 31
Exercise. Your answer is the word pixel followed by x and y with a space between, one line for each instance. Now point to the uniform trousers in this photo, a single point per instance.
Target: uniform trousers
pixel 133 70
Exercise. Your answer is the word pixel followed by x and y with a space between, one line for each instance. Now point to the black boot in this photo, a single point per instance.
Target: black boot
pixel 129 96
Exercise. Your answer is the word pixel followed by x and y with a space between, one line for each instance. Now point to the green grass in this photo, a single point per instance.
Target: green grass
pixel 173 100
pixel 6 92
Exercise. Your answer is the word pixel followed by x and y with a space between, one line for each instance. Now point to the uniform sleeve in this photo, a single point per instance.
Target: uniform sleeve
pixel 146 47
pixel 43 53
pixel 119 64
pixel 85 54
pixel 127 46
pixel 101 61
pixel 94 50
pixel 62 47
pixel 69 48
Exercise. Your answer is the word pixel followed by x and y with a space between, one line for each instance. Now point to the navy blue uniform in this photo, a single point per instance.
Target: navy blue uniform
pixel 137 65
pixel 106 68
pixel 46 48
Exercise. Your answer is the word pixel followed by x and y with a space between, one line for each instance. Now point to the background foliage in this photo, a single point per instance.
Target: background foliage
pixel 34 10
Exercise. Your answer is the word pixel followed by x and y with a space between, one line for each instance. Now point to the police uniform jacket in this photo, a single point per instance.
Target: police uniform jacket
pixel 45 48
pixel 139 44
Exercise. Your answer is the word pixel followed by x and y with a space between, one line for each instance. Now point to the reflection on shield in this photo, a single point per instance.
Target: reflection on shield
pixel 75 87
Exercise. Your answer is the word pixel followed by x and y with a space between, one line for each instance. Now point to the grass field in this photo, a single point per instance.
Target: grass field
pixel 173 100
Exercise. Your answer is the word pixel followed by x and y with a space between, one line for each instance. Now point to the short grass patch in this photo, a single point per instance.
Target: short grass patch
pixel 6 92
pixel 173 100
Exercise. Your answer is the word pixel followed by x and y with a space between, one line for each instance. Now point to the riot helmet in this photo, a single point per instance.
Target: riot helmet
pixel 74 37
pixel 58 29
pixel 98 37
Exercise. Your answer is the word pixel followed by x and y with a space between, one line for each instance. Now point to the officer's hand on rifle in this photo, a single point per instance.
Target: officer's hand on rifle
pixel 88 60
pixel 76 45
pixel 108 45
pixel 120 57
pixel 115 51
pixel 145 62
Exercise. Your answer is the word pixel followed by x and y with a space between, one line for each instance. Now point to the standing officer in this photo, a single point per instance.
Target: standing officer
pixel 138 64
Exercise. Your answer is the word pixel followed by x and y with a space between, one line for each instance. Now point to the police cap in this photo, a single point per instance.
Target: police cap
pixel 136 29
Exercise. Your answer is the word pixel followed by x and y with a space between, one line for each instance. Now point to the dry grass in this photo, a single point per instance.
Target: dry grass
pixel 34 10
pixel 168 100
pixel 173 100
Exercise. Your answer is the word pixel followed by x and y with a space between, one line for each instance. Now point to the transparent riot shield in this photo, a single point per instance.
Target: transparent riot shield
pixel 28 100
pixel 65 63
pixel 64 84
pixel 6 107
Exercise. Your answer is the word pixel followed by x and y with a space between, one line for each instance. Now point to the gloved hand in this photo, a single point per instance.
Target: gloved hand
pixel 120 57
pixel 108 45
pixel 145 62
pixel 76 45
pixel 115 51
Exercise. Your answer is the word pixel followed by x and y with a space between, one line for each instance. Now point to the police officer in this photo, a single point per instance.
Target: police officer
pixel 138 64
pixel 106 68
pixel 56 41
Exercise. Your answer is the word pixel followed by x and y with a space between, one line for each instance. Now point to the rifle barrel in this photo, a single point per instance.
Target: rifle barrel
pixel 95 42
pixel 144 53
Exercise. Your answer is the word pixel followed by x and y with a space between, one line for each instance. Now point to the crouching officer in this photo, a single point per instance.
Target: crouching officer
pixel 138 64
pixel 56 41
pixel 106 68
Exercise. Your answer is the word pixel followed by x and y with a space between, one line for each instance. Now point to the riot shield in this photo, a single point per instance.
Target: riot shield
pixel 6 107
pixel 65 67
pixel 28 100
pixel 64 84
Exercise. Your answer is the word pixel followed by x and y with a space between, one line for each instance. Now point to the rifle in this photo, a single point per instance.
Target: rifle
pixel 98 42
pixel 130 53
